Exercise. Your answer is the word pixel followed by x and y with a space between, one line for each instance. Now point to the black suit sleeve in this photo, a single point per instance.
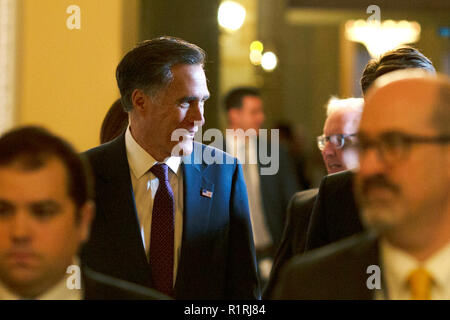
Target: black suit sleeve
pixel 335 214
pixel 317 233
pixel 294 236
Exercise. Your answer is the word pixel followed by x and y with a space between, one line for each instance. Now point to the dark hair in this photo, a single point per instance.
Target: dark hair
pixel 233 99
pixel 401 58
pixel 31 147
pixel 148 66
pixel 115 122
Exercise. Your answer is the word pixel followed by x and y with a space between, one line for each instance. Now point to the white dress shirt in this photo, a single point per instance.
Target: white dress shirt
pixel 397 265
pixel 145 185
pixel 236 146
pixel 59 291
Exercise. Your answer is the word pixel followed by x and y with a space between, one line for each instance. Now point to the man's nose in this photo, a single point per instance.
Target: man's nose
pixel 20 227
pixel 329 150
pixel 196 114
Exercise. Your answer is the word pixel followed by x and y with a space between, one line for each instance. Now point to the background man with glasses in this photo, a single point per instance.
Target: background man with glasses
pixel 336 143
pixel 402 187
pixel 337 146
pixel 335 212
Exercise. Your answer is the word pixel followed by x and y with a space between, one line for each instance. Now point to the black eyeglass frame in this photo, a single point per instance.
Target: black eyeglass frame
pixel 394 145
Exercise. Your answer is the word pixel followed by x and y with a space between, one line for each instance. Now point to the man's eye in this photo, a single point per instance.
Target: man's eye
pixel 393 141
pixel 5 210
pixel 185 104
pixel 363 144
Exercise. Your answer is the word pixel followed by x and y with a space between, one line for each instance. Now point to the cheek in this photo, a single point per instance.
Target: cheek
pixel 58 240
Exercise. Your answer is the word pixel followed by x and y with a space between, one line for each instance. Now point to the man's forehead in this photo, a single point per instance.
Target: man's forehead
pixel 402 105
pixel 51 176
pixel 342 120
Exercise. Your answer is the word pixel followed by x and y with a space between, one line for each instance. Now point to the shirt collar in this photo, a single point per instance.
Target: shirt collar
pixel 141 161
pixel 439 266
pixel 399 265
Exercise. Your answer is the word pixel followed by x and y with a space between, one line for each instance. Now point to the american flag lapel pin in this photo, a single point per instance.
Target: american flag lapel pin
pixel 207 193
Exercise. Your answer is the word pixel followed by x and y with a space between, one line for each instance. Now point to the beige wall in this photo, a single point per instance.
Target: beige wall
pixel 66 77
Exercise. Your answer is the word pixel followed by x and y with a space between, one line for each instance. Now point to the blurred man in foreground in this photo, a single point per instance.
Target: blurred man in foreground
pixel 45 215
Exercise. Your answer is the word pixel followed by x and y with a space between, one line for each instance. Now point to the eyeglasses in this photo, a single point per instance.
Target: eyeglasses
pixel 393 146
pixel 338 140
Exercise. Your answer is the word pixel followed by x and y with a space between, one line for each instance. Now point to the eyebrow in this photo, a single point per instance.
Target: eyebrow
pixel 193 98
pixel 47 202
pixel 6 203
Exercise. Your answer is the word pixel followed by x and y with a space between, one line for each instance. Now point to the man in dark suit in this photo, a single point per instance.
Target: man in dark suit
pixel 45 214
pixel 269 193
pixel 294 234
pixel 402 193
pixel 167 217
pixel 335 214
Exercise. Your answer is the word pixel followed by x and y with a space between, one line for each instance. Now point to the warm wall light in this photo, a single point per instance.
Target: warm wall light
pixel 256 49
pixel 381 37
pixel 231 15
pixel 269 61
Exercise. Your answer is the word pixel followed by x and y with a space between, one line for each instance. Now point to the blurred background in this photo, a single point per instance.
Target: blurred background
pixel 58 57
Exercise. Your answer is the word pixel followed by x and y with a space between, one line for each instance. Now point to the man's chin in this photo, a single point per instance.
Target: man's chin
pixel 380 218
pixel 182 149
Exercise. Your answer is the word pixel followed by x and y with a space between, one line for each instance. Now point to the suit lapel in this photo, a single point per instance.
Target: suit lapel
pixel 198 195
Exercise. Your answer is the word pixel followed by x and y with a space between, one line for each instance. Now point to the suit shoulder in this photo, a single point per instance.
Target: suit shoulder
pixel 210 154
pixel 106 151
pixel 324 260
pixel 301 197
pixel 339 179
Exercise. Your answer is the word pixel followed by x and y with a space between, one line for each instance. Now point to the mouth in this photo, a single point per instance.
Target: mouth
pixel 379 194
pixel 191 133
pixel 21 257
pixel 334 166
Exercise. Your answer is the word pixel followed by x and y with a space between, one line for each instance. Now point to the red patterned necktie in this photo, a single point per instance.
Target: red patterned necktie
pixel 162 233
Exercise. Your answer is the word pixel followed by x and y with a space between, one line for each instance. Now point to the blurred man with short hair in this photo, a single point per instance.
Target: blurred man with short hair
pixel 45 216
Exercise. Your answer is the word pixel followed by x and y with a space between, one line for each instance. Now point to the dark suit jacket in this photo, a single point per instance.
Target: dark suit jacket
pixel 294 235
pixel 99 286
pixel 217 258
pixel 335 213
pixel 336 271
pixel 276 191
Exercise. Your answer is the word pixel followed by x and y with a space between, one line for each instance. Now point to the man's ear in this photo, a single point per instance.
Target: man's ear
pixel 140 100
pixel 87 213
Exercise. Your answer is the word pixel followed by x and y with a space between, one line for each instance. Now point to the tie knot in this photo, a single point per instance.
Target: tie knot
pixel 161 171
pixel 420 284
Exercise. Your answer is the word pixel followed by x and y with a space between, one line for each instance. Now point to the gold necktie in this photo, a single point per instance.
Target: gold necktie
pixel 420 284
